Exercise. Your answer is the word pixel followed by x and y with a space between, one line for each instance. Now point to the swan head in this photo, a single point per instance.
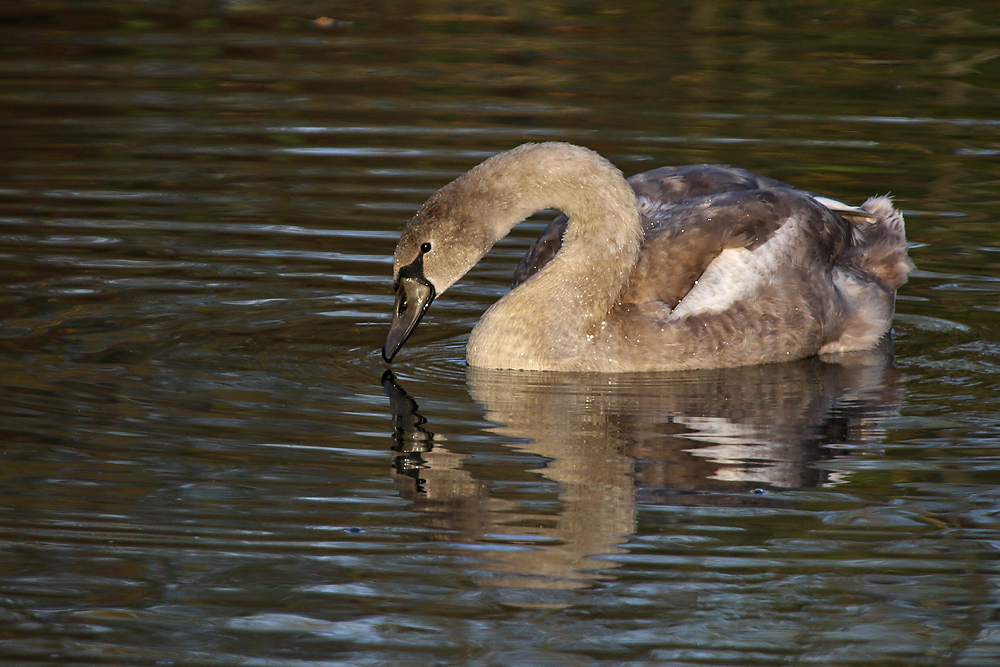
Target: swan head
pixel 461 221
pixel 445 239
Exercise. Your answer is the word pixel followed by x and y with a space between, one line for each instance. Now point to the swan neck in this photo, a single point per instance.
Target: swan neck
pixel 555 314
pixel 591 191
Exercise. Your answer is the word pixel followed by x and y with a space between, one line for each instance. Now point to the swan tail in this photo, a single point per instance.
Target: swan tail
pixel 879 247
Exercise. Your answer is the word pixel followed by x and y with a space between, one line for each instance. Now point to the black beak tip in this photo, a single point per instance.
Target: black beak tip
pixel 413 297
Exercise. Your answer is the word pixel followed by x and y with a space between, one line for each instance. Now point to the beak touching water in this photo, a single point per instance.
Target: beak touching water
pixel 413 296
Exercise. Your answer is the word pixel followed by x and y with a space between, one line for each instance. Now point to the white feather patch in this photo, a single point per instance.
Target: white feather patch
pixel 841 208
pixel 652 209
pixel 737 273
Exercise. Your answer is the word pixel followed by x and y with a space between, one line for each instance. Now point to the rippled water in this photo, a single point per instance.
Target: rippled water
pixel 203 461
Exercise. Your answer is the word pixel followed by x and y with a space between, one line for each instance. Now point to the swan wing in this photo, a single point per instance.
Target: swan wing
pixel 716 250
pixel 658 192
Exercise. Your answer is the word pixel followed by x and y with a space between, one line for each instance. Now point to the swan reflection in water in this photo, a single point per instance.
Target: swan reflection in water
pixel 611 441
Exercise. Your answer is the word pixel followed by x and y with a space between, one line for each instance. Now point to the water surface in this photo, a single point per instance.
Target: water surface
pixel 204 462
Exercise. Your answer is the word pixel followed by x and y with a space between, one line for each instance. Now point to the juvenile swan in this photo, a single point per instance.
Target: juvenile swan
pixel 676 268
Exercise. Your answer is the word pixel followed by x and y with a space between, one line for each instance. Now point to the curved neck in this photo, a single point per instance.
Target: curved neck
pixel 554 312
pixel 590 190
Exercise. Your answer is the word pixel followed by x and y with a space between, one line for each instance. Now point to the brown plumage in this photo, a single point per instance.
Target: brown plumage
pixel 679 267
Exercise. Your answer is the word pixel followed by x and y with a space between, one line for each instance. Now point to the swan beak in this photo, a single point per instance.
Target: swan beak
pixel 413 296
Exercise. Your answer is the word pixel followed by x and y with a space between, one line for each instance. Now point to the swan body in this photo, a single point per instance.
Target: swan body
pixel 676 268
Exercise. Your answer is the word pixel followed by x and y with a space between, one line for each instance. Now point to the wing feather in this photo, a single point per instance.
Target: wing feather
pixel 742 236
pixel 658 193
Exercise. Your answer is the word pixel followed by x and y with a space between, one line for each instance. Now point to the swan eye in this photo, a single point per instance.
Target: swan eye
pixel 425 247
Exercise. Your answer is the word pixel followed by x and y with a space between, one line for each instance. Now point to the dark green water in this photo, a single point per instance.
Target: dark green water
pixel 200 465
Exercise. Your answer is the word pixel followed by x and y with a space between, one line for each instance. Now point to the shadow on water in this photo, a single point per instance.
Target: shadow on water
pixel 709 437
